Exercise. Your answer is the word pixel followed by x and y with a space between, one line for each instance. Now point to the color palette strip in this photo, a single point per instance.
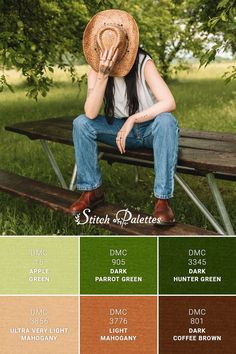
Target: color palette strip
pixel 113 304
pixel 197 265
pixel 118 265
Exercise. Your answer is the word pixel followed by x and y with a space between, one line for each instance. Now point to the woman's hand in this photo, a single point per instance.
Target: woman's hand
pixel 123 133
pixel 97 82
pixel 107 61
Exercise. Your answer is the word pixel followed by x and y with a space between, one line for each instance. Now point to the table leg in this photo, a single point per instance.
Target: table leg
pixel 220 203
pixel 72 182
pixel 74 173
pixel 200 205
pixel 53 163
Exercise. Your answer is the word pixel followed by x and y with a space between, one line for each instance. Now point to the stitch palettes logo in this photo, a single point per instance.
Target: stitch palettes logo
pixel 123 217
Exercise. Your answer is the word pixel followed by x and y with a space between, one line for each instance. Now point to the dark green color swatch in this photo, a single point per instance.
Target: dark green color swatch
pixel 198 265
pixel 118 265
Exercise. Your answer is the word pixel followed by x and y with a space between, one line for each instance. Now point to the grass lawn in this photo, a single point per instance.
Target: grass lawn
pixel 204 102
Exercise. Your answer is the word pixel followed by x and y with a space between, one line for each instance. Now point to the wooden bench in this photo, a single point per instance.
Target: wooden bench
pixel 208 154
pixel 60 199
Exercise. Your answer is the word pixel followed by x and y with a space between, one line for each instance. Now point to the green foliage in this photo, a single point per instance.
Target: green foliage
pixel 168 29
pixel 230 75
pixel 36 35
pixel 171 28
pixel 3 83
pixel 219 18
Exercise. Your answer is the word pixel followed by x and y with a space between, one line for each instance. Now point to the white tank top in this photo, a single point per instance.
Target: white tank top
pixel 145 96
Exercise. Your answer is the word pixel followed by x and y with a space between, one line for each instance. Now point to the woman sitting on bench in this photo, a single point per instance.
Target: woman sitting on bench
pixel 137 110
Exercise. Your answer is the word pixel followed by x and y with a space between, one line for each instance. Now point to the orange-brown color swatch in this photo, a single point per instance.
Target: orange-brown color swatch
pixel 118 324
pixel 39 325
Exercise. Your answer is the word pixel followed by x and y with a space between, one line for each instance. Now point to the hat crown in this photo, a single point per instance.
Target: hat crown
pixel 112 35
pixel 111 28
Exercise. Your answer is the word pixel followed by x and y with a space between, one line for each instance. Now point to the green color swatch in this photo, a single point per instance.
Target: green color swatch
pixel 118 265
pixel 198 265
pixel 38 265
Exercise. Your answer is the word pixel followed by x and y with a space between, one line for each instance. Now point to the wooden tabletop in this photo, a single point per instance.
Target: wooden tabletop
pixel 206 151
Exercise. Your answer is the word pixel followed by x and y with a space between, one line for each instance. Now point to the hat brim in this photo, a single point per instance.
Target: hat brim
pixel 117 17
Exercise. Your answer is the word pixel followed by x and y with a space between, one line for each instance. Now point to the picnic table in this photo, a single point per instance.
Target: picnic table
pixel 201 153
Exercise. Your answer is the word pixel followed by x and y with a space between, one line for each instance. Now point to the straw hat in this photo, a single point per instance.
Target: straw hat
pixel 107 28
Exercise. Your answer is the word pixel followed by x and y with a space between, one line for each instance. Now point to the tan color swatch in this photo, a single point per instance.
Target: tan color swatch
pixel 39 325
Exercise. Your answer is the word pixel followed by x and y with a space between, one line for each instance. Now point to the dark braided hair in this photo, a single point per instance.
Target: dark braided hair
pixel 131 89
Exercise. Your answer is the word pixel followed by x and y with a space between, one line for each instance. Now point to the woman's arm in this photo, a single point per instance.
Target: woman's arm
pixel 96 88
pixel 166 101
pixel 97 83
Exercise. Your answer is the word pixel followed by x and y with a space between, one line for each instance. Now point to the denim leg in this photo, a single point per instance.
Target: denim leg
pixel 88 171
pixel 107 133
pixel 162 135
pixel 86 132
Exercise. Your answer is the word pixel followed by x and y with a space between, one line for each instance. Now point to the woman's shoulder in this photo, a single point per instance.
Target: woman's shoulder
pixel 143 58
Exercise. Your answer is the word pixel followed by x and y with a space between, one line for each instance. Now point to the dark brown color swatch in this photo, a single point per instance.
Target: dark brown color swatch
pixel 197 324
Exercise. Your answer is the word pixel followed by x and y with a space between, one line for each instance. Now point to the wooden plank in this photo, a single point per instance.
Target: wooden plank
pixel 211 161
pixel 180 168
pixel 53 197
pixel 209 145
pixel 66 122
pixel 59 129
pixel 60 199
pixel 201 152
pixel 208 161
pixel 54 129
pixel 219 136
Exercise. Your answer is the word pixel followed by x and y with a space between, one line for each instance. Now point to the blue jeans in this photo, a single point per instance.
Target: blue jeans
pixel 160 134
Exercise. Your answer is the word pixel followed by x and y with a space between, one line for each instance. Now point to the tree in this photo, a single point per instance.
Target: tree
pixel 219 19
pixel 35 35
pixel 169 29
